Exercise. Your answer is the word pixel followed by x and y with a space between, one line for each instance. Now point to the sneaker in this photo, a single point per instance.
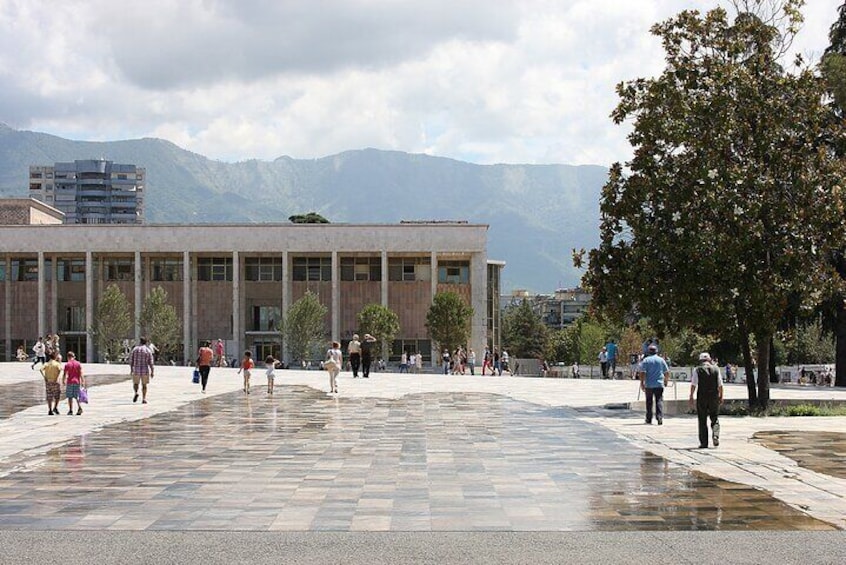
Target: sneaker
pixel 56 411
pixel 70 412
pixel 703 447
pixel 660 421
pixel 50 412
pixel 135 398
pixel 79 412
pixel 716 434
pixel 143 402
pixel 648 422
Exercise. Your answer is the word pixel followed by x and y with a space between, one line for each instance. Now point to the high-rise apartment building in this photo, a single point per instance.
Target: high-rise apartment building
pixel 93 191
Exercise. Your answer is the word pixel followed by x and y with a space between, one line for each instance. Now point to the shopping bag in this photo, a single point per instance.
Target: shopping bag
pixel 196 378
pixel 83 395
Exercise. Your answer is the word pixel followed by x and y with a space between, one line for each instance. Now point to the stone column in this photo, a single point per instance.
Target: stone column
pixel 89 306
pixel 479 293
pixel 385 279
pixel 42 296
pixel 336 297
pixel 7 294
pixel 54 295
pixel 434 267
pixel 237 322
pixel 286 300
pixel 186 306
pixel 138 296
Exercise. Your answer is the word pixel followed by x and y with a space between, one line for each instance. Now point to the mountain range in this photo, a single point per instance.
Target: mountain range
pixel 536 213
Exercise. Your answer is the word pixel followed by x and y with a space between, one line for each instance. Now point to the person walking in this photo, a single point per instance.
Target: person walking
pixel 141 368
pixel 73 379
pixel 354 353
pixel 603 362
pixel 445 361
pixel 403 366
pixel 204 360
pixel 707 383
pixel 486 361
pixel 39 349
pixel 270 366
pixel 497 368
pixel 219 353
pixel 611 352
pixel 53 390
pixel 247 365
pixel 654 376
pixel 333 364
pixel 504 363
pixel 367 355
pixel 471 362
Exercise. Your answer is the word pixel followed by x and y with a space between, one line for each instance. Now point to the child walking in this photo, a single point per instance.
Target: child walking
pixel 333 364
pixel 270 364
pixel 247 366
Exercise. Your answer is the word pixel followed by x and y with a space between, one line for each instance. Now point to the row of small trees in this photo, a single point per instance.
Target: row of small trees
pixel 303 326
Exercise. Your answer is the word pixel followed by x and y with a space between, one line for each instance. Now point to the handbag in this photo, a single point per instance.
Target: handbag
pixel 196 378
pixel 83 395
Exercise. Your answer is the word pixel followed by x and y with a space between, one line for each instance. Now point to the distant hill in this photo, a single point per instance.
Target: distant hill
pixel 537 213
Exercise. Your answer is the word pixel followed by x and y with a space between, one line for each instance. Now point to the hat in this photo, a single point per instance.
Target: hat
pixel 652 347
pixel 704 357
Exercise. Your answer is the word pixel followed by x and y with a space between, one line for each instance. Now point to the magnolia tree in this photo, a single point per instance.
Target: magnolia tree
pixel 731 203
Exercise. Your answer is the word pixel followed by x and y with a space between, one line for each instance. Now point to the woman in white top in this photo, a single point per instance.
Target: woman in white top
pixel 333 364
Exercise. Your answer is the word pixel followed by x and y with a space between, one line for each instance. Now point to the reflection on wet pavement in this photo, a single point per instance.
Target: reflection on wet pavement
pixel 437 461
pixel 22 395
pixel 823 452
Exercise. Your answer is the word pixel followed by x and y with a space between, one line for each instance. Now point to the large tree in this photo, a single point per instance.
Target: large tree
pixel 523 332
pixel 112 323
pixel 381 322
pixel 448 320
pixel 160 323
pixel 304 326
pixel 731 204
pixel 833 68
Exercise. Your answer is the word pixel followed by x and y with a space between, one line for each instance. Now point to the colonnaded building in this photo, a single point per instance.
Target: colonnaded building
pixel 234 282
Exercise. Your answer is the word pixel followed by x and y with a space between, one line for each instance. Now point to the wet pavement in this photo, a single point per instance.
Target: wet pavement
pixel 22 395
pixel 823 452
pixel 442 460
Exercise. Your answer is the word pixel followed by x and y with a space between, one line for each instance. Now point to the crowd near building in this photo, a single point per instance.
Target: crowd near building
pixel 235 282
pixel 92 191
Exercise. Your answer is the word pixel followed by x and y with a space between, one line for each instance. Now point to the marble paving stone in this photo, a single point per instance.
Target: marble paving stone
pixel 464 461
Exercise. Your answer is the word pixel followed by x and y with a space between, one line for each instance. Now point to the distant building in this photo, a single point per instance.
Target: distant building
pixel 28 212
pixel 557 310
pixel 92 191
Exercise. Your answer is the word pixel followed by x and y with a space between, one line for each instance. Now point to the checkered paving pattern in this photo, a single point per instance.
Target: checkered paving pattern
pixel 823 452
pixel 435 461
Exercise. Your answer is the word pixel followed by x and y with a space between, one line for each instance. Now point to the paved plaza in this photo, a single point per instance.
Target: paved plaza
pixel 425 463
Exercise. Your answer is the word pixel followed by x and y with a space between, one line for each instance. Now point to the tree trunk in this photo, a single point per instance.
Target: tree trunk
pixel 772 364
pixel 840 356
pixel 763 364
pixel 750 369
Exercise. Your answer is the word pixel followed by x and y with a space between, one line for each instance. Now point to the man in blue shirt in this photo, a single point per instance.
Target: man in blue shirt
pixel 611 352
pixel 654 376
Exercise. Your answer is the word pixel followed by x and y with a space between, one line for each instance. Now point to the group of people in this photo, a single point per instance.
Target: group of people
pixel 706 384
pixel 72 379
pixel 42 350
pixel 459 362
pixel 411 362
pixel 491 359
pixel 608 360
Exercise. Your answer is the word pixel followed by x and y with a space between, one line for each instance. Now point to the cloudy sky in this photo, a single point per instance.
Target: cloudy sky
pixel 486 81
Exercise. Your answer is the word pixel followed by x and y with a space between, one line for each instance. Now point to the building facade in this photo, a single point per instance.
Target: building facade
pixel 93 191
pixel 557 310
pixel 27 212
pixel 234 282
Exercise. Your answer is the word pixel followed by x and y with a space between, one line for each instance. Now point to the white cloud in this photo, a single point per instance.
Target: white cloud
pixel 529 81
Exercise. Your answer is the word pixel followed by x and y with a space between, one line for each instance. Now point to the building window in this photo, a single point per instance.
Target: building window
pixel 361 268
pixel 409 269
pixel 166 269
pixel 24 269
pixel 2 269
pixel 74 319
pixel 71 270
pixel 263 269
pixel 454 272
pixel 266 318
pixel 312 269
pixel 214 269
pixel 118 270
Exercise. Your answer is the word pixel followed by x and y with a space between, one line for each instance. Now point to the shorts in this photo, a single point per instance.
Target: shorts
pixel 54 391
pixel 72 391
pixel 143 379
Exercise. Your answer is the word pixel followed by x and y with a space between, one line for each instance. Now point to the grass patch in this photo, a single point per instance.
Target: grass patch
pixel 739 409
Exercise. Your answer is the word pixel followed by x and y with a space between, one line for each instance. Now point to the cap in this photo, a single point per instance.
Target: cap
pixel 704 357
